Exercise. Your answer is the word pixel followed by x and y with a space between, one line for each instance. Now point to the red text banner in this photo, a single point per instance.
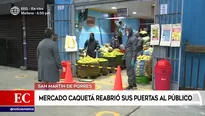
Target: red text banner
pixel 64 86
pixel 16 98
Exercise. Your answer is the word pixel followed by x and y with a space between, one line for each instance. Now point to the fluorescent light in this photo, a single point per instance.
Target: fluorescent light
pixel 106 15
pixel 134 12
pixel 115 18
pixel 114 8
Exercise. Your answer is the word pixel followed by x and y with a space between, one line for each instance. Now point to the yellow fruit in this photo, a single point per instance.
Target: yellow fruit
pixel 88 60
pixel 101 60
pixel 112 54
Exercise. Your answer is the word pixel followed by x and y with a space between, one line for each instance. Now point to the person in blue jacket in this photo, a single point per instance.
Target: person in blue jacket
pixel 132 48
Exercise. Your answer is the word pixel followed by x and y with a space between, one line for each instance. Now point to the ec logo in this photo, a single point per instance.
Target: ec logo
pixel 19 98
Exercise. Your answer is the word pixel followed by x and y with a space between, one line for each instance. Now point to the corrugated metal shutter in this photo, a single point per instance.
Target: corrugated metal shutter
pixel 15 42
pixel 4 26
pixel 35 26
pixel 3 35
pixel 11 29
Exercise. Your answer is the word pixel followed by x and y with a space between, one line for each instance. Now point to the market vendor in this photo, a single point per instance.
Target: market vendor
pixel 132 48
pixel 91 45
pixel 115 42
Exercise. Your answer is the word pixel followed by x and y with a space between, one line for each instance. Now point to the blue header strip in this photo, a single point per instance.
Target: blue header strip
pixel 17 109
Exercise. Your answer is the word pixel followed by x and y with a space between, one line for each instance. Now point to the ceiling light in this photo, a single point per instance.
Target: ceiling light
pixel 114 8
pixel 134 12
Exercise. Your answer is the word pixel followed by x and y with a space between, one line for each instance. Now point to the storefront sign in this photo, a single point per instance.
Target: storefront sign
pixel 122 12
pixel 163 9
pixel 176 35
pixel 90 21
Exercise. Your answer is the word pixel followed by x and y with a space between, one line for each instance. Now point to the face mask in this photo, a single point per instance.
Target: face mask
pixel 127 33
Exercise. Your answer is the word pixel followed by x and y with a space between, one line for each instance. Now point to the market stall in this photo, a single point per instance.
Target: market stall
pixel 106 63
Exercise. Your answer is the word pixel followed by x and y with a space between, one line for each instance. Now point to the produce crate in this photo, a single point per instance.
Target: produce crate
pixel 104 71
pixel 112 63
pixel 87 71
pixel 119 61
pixel 143 80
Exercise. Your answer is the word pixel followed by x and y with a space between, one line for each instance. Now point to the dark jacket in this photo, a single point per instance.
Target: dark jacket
pixel 91 45
pixel 133 46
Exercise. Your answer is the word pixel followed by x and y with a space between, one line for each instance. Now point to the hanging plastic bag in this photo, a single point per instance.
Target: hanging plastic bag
pixel 142 64
pixel 70 44
pixel 140 68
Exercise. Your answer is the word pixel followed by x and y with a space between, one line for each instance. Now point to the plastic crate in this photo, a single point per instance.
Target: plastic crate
pixel 87 71
pixel 143 80
pixel 112 62
pixel 104 71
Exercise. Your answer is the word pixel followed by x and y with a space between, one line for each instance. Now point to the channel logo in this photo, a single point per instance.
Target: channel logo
pixel 15 10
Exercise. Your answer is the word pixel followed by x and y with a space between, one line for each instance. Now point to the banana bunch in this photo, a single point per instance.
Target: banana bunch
pixel 88 60
pixel 112 54
pixel 117 50
pixel 101 60
pixel 143 57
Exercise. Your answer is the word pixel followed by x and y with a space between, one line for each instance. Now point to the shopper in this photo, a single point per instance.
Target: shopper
pixel 115 42
pixel 92 46
pixel 49 64
pixel 132 48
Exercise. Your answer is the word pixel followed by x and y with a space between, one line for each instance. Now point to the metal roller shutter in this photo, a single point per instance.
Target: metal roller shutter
pixel 3 36
pixel 15 42
pixel 4 24
pixel 11 29
pixel 35 26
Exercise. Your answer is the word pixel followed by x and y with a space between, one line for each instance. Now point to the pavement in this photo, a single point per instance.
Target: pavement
pixel 12 78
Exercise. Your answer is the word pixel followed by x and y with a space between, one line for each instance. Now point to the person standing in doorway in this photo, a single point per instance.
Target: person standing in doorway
pixel 132 48
pixel 92 46
pixel 49 64
pixel 115 42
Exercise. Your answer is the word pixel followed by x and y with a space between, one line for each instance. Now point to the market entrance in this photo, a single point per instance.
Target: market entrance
pixel 110 20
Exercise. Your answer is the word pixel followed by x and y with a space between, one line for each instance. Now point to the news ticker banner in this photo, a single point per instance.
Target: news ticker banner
pixel 25 101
